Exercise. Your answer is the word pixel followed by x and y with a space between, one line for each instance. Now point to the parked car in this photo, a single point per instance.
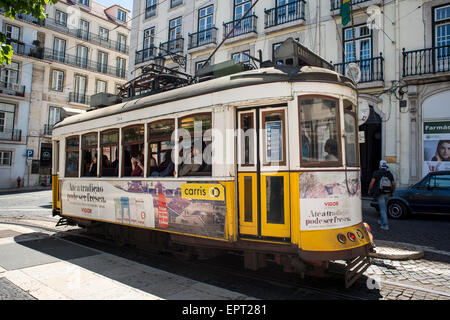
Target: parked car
pixel 430 195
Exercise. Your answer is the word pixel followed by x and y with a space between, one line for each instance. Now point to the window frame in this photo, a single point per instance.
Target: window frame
pixel 320 164
pixel 55 81
pixel 355 116
pixel 357 42
pixel 88 148
pixel 157 140
pixel 2 158
pixel 101 145
pixel 264 162
pixel 72 149
pixel 122 145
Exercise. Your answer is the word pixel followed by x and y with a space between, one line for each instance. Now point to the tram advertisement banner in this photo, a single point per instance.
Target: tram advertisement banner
pixel 329 200
pixel 194 208
pixel 436 146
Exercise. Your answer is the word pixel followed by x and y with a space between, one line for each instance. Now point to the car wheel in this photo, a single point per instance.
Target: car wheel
pixel 397 210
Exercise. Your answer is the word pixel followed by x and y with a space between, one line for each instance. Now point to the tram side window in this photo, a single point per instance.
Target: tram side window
pixel 109 162
pixel 351 134
pixel 133 151
pixel 89 157
pixel 72 156
pixel 160 148
pixel 196 156
pixel 319 132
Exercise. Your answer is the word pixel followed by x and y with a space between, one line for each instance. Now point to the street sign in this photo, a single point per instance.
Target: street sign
pixel 30 153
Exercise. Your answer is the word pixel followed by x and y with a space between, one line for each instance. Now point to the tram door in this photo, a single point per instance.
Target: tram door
pixel 263 185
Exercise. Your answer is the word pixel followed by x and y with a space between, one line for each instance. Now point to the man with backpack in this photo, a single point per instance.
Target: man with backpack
pixel 383 186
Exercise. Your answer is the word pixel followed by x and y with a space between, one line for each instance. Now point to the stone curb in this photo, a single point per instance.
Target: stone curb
pixel 396 251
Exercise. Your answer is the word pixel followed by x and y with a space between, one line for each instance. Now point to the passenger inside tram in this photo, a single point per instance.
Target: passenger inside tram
pixel 167 166
pixel 137 165
pixel 332 150
pixel 93 166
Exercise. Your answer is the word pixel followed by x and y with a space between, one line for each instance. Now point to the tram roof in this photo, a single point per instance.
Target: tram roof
pixel 242 79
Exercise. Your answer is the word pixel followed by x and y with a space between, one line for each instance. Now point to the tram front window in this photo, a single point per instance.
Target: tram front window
pixel 319 132
pixel 196 157
pixel 133 151
pixel 351 141
pixel 160 148
pixel 72 156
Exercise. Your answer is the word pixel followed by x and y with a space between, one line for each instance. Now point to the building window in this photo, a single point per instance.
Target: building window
pixel 175 29
pixel 149 38
pixel 363 43
pixel 5 158
pixel 82 56
pixel 84 30
pixel 61 18
pixel 59 49
pixel 205 23
pixel 80 89
pixel 121 42
pixel 241 57
pixel 10 75
pixel 57 80
pixel 121 15
pixel 174 3
pixel 240 8
pixel 13 36
pixel 442 36
pixel 120 68
pixel 102 62
pixel 54 116
pixel 100 86
pixel 7 115
pixel 150 9
pixel 84 2
pixel 103 33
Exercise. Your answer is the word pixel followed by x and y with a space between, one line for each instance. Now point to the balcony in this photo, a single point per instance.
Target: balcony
pixel 371 69
pixel 13 89
pixel 247 25
pixel 283 14
pixel 10 134
pixel 336 4
pixel 202 38
pixel 146 54
pixel 78 98
pixel 172 46
pixel 433 60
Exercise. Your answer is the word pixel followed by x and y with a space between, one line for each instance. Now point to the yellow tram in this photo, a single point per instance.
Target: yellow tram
pixel 264 162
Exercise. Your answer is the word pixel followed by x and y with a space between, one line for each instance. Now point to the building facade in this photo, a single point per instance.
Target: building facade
pixel 400 46
pixel 80 49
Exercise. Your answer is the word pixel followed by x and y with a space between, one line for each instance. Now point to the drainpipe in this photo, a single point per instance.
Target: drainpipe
pixel 397 77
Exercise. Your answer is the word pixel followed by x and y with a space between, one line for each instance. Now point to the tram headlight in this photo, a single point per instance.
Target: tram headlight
pixel 341 238
pixel 351 236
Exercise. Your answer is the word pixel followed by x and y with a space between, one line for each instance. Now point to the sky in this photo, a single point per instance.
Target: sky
pixel 127 4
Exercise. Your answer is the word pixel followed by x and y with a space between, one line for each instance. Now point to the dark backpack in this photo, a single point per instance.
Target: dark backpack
pixel 385 184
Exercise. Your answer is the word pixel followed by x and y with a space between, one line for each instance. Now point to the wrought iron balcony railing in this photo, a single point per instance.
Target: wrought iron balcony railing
pixel 171 46
pixel 202 38
pixel 145 55
pixel 336 4
pixel 426 61
pixel 78 98
pixel 10 134
pixel 247 25
pixel 371 69
pixel 283 14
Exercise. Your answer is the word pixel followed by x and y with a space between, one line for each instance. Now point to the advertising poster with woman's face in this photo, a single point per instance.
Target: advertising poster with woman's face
pixel 436 146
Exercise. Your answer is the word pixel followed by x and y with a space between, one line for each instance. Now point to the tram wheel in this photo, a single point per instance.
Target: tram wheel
pixel 397 210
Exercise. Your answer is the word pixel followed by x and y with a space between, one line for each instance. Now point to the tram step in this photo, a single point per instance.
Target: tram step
pixel 63 222
pixel 355 269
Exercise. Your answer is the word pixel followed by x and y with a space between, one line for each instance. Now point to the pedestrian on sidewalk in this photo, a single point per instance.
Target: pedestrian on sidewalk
pixel 383 186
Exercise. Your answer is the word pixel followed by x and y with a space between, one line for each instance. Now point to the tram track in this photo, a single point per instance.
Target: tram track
pixel 286 282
